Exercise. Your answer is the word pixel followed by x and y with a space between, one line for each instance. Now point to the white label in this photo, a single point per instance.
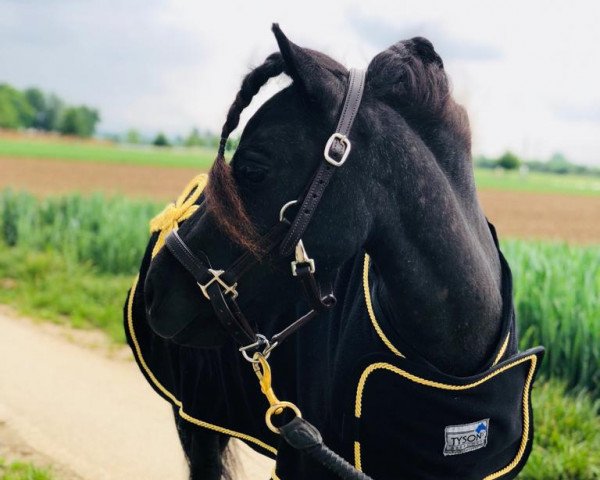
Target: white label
pixel 466 438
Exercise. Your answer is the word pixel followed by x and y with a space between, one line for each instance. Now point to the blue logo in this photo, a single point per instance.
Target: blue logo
pixel 481 428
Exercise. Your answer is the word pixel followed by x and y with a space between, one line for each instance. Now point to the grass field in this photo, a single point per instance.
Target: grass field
pixel 537 182
pixel 107 153
pixel 15 146
pixel 73 258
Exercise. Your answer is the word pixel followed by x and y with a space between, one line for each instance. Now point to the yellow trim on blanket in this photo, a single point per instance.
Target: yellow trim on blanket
pixel 274 474
pixel 374 322
pixel 182 413
pixel 502 350
pixel 357 460
pixel 444 386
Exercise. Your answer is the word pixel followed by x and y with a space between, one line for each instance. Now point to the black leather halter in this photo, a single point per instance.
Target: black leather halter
pixel 220 286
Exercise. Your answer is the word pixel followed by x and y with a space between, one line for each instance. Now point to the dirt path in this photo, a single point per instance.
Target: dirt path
pixel 91 415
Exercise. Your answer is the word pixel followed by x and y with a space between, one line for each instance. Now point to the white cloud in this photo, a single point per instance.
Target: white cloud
pixel 527 71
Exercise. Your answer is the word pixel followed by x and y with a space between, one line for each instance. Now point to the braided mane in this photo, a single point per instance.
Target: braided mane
pixel 222 198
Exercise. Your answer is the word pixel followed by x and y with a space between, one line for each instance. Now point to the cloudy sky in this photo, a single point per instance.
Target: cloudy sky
pixel 527 71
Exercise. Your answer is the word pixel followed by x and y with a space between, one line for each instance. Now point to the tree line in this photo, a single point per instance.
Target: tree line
pixel 557 163
pixel 34 108
pixel 195 138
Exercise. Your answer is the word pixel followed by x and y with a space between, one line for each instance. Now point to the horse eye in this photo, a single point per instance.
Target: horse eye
pixel 250 173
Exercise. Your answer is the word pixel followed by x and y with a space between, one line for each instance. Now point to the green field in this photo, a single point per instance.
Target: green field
pixel 85 151
pixel 62 259
pixel 71 254
pixel 537 182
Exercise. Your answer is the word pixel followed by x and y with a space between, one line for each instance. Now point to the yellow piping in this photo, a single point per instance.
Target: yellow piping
pixel 376 326
pixel 274 474
pixel 357 460
pixel 444 386
pixel 182 413
pixel 502 350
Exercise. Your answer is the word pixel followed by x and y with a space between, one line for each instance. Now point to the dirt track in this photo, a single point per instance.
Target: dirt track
pixel 522 214
pixel 89 415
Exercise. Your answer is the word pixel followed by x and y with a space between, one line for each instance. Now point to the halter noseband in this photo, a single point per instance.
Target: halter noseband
pixel 220 286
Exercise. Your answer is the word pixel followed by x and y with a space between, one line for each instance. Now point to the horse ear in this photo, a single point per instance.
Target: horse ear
pixel 410 76
pixel 308 70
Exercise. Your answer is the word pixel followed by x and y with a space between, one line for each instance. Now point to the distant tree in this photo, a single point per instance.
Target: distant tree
pixel 37 100
pixel 54 112
pixel 161 140
pixel 195 139
pixel 509 161
pixel 558 163
pixel 80 121
pixel 133 136
pixel 15 110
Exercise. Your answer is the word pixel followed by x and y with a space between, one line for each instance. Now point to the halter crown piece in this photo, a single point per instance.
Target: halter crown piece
pixel 284 238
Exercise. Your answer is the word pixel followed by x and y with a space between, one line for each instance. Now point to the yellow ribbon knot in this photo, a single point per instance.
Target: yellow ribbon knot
pixel 174 213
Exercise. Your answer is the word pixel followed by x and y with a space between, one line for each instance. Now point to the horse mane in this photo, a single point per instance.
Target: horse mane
pixel 221 194
pixel 410 76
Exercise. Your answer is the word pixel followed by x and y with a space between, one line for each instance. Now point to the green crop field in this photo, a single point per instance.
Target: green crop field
pixel 537 182
pixel 556 285
pixel 83 151
pixel 71 259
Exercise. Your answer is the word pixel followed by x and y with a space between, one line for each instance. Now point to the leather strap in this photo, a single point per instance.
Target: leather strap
pixel 337 150
pixel 226 309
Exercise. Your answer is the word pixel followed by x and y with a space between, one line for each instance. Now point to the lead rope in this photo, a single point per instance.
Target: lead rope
pixel 299 433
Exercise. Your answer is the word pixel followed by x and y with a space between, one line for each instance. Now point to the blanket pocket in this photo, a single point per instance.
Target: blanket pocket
pixel 418 424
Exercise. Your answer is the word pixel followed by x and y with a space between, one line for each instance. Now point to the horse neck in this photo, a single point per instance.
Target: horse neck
pixel 439 267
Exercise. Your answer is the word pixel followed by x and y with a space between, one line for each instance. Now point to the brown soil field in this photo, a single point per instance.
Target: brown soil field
pixel 571 218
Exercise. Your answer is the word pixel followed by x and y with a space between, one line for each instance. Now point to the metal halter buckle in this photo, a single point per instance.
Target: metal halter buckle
pixel 343 139
pixel 302 257
pixel 231 289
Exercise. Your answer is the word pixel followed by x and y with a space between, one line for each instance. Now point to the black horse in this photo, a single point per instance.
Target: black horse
pixel 415 372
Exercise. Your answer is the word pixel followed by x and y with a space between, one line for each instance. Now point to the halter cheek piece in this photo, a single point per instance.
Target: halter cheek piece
pixel 220 286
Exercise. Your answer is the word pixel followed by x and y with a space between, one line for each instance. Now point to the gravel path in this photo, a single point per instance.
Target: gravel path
pixel 89 413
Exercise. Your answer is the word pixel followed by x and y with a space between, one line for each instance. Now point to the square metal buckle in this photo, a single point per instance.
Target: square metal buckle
pixel 343 139
pixel 227 289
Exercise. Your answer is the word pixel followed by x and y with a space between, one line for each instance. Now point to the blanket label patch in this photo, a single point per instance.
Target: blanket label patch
pixel 466 438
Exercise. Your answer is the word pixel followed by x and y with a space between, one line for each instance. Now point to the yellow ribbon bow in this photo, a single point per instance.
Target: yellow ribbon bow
pixel 174 213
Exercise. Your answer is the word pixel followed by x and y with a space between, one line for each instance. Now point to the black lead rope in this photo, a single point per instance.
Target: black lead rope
pixel 305 437
pixel 220 288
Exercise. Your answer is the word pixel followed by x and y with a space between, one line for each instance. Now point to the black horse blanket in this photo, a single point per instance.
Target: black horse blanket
pixel 374 399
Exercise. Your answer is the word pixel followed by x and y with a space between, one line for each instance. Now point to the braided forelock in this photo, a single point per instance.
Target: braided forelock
pixel 222 198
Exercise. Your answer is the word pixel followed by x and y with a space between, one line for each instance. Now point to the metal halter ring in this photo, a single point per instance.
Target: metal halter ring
pixel 260 340
pixel 278 409
pixel 284 208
